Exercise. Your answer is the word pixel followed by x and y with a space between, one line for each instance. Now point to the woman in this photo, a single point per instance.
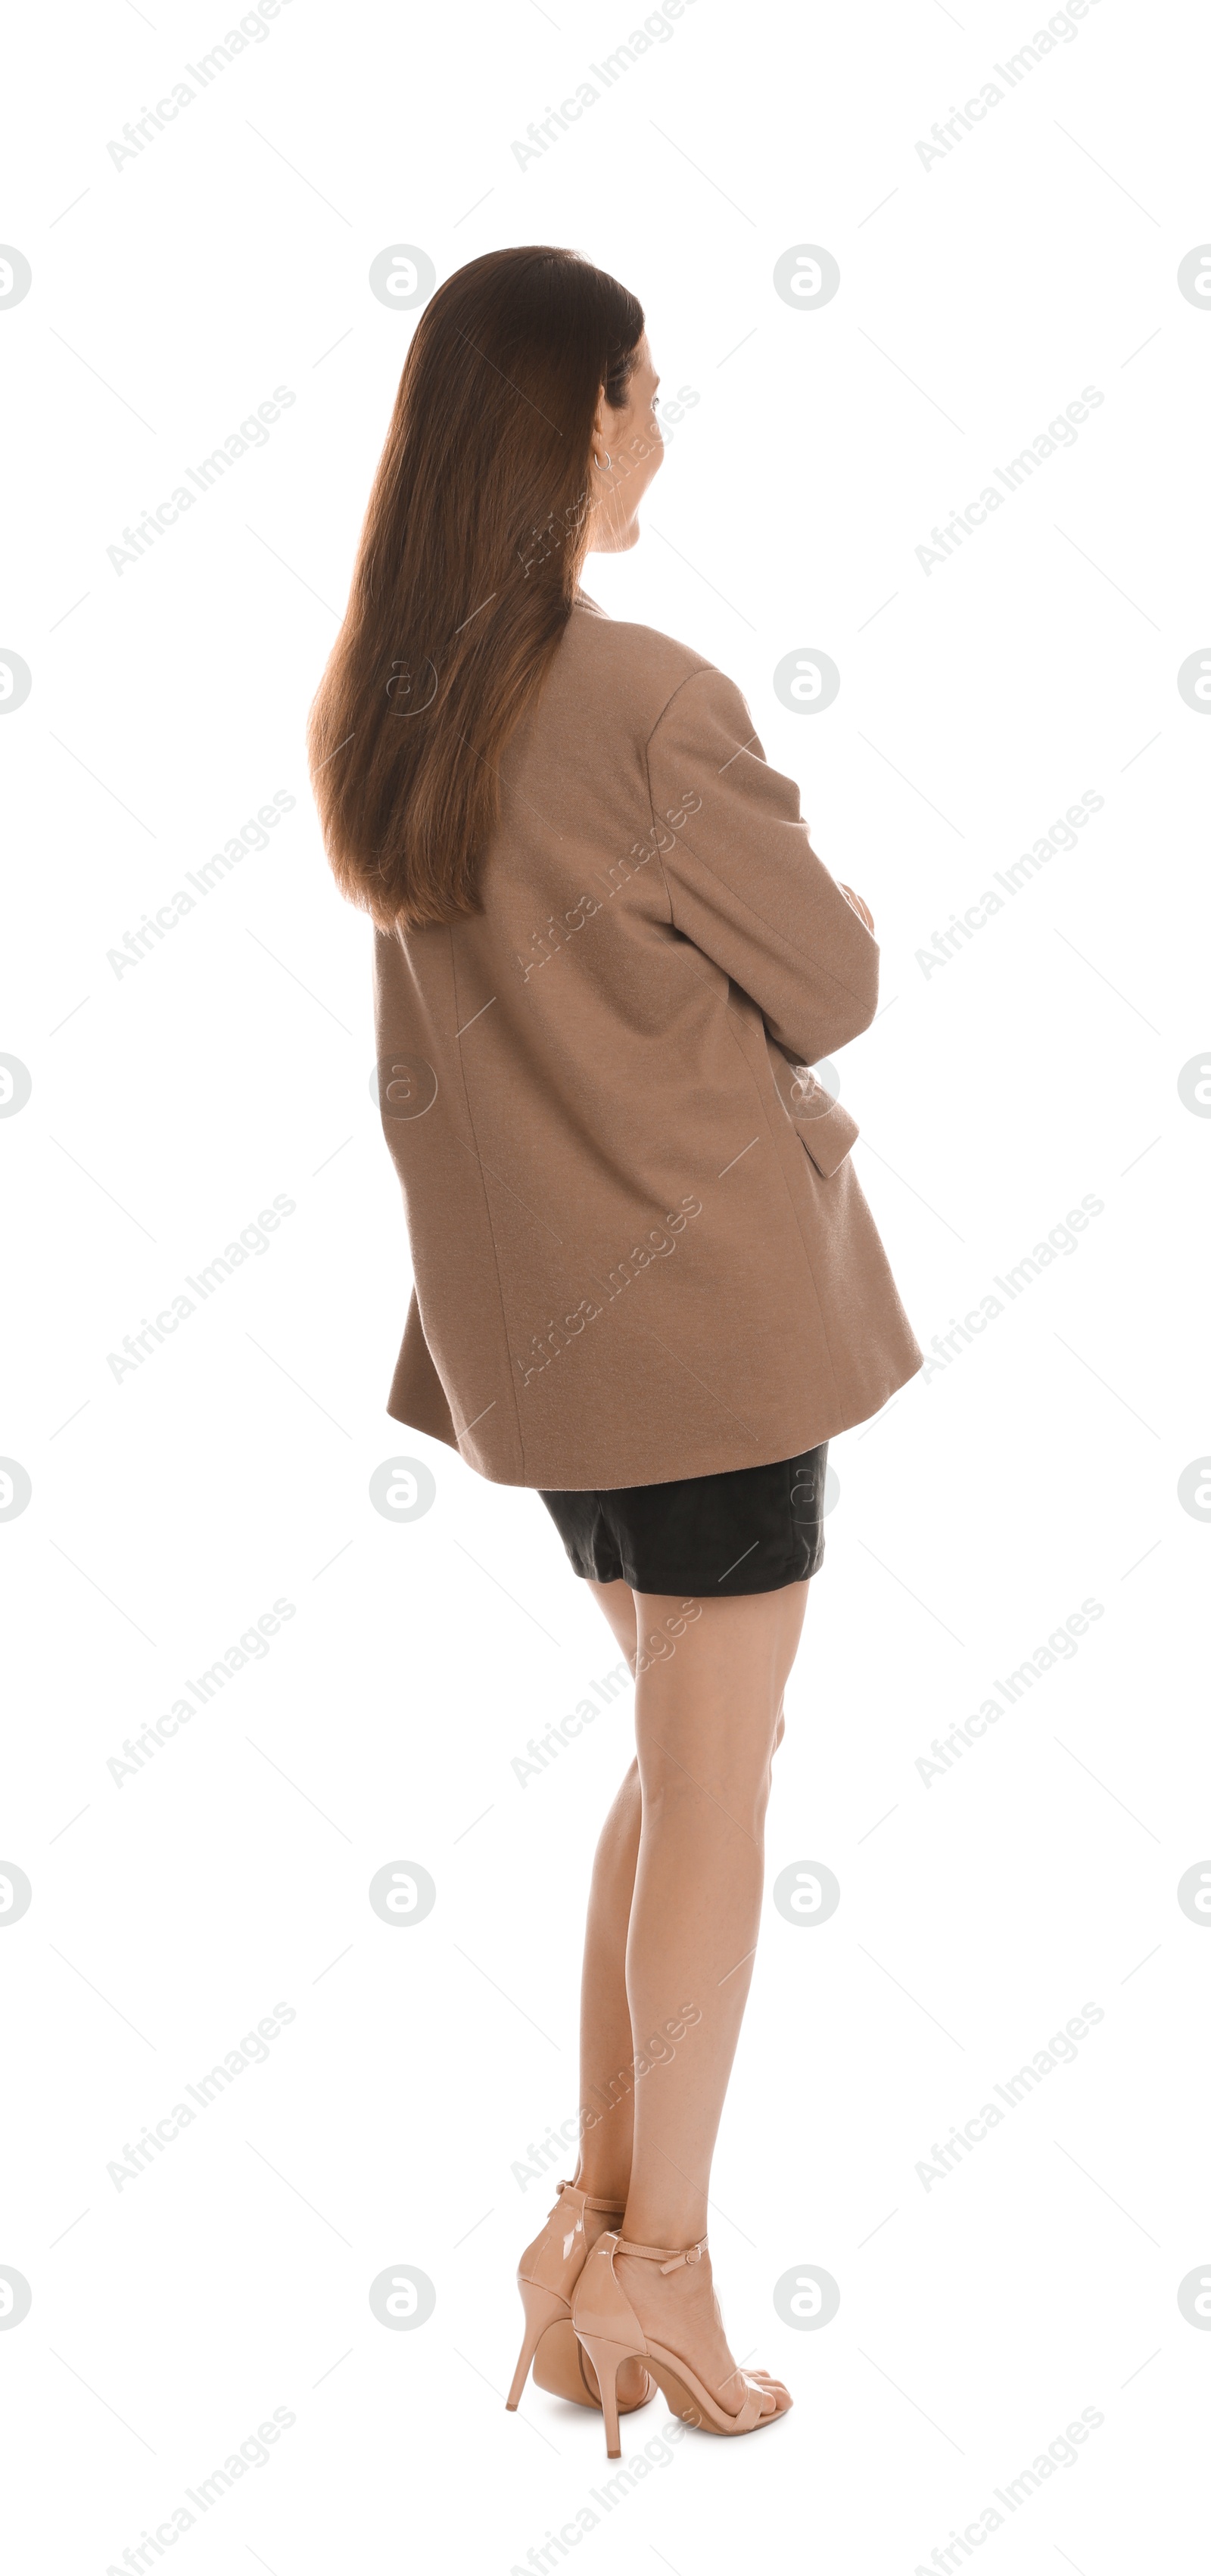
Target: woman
pixel 647 1282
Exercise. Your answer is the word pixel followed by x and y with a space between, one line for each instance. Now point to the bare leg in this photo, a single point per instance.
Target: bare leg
pixel 707 1719
pixel 606 2046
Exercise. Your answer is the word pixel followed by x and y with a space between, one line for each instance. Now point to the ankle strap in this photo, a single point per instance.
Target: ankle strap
pixel 610 2206
pixel 668 2257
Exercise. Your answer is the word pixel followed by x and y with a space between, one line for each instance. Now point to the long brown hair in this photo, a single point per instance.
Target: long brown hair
pixel 472 544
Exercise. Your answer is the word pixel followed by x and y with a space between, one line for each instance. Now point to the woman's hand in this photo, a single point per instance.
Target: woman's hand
pixel 863 910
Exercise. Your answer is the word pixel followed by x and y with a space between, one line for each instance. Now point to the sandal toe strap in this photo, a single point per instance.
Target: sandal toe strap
pixel 753 2409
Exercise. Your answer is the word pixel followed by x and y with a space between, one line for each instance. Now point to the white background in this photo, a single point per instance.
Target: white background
pixel 169 1509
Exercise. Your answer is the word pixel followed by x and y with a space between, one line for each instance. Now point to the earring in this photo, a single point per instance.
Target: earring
pixel 603 469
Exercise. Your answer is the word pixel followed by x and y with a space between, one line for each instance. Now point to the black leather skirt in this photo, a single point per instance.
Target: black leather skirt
pixel 752 1530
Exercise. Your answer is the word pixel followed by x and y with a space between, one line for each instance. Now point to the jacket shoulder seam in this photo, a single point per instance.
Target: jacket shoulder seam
pixel 705 671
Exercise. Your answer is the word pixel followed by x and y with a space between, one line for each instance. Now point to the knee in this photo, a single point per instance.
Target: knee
pixel 687 1797
pixel 625 1817
pixel 761 1795
pixel 768 1779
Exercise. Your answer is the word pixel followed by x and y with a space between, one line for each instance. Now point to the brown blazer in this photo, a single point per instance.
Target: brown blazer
pixel 639 1245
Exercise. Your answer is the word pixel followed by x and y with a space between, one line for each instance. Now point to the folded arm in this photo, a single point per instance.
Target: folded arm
pixel 744 882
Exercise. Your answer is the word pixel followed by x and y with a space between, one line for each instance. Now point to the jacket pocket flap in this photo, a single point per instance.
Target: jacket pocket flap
pixel 825 1127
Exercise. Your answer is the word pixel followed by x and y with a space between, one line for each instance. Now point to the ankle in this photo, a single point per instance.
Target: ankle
pixel 604 2184
pixel 649 2224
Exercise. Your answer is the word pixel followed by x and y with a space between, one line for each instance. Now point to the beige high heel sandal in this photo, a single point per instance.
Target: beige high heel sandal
pixel 546 2277
pixel 609 2332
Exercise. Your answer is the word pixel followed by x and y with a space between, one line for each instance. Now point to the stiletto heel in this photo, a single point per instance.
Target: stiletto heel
pixel 543 2308
pixel 607 2359
pixel 546 2277
pixel 609 2332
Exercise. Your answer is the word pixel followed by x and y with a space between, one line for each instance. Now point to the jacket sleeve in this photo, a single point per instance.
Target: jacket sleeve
pixel 744 882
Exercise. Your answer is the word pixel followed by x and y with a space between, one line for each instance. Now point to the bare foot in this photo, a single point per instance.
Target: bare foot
pixel 680 2310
